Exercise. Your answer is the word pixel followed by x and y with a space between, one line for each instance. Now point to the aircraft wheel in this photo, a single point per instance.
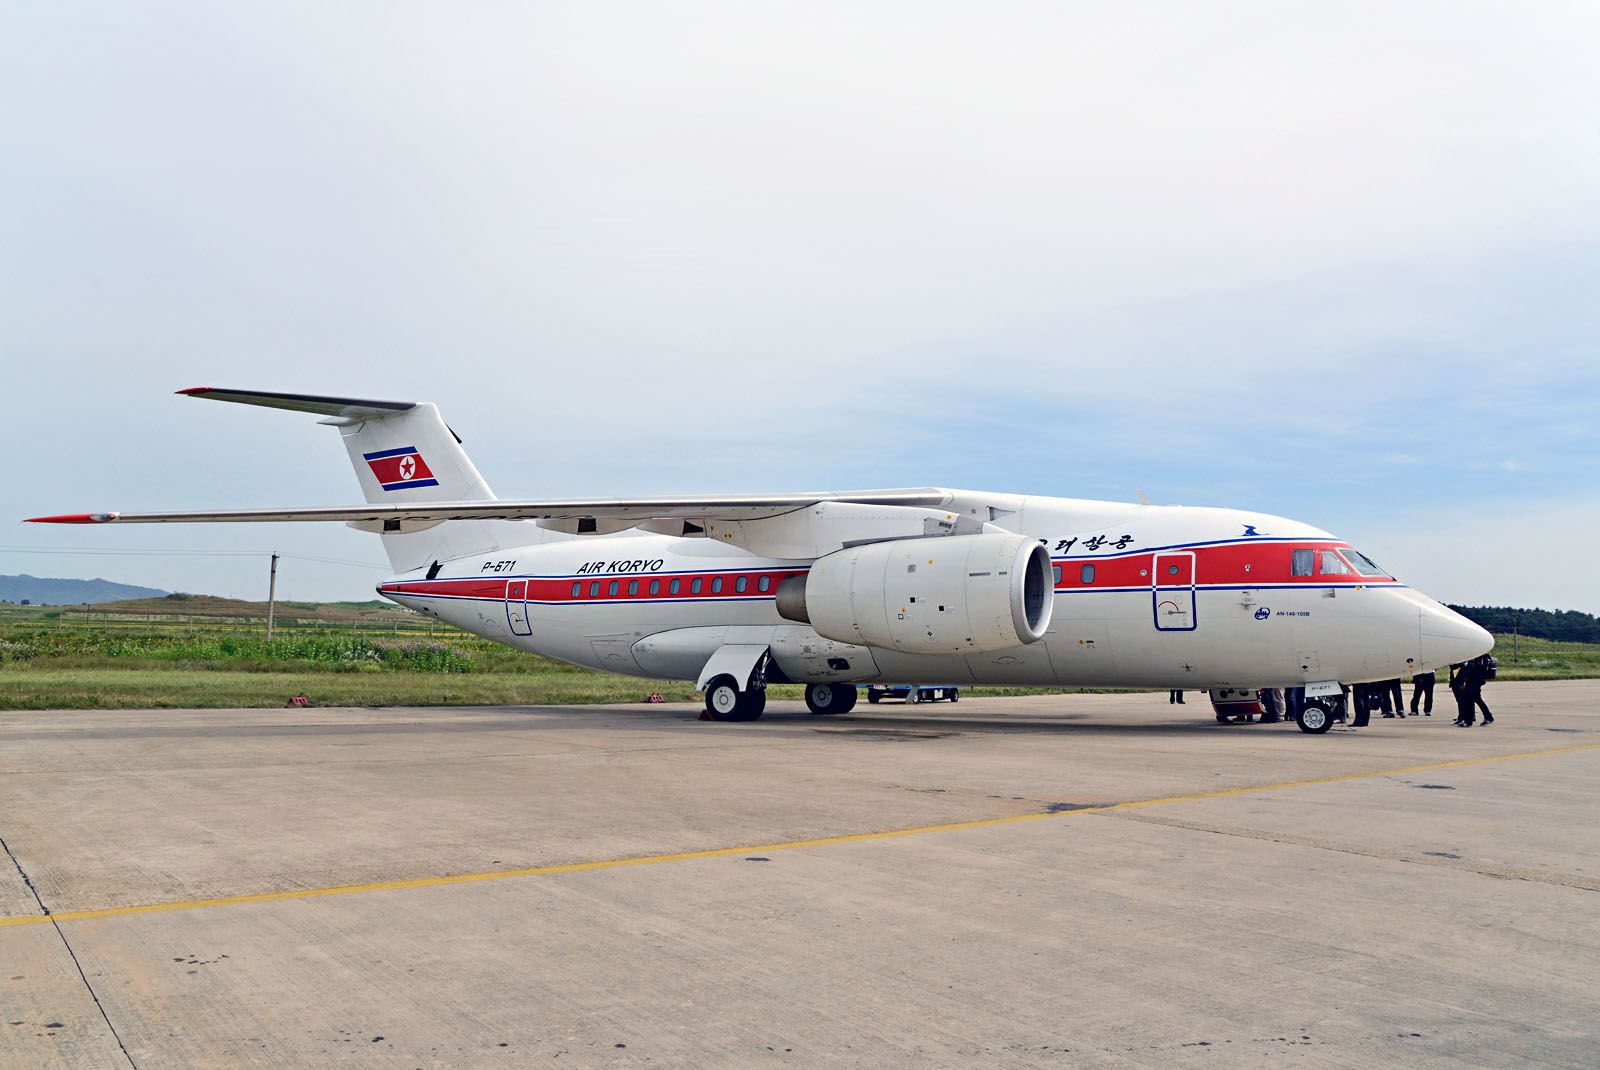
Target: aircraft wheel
pixel 1223 718
pixel 751 704
pixel 873 696
pixel 1314 717
pixel 722 698
pixel 830 698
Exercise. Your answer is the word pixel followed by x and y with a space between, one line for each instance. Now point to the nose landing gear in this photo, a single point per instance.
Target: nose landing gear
pixel 1314 717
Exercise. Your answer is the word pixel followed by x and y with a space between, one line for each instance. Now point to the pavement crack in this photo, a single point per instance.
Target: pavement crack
pixel 73 955
pixel 1422 858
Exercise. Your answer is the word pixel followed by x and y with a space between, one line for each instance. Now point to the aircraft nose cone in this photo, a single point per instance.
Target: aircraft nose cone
pixel 1449 638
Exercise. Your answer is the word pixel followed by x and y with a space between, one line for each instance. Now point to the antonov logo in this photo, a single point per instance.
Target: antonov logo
pixel 400 469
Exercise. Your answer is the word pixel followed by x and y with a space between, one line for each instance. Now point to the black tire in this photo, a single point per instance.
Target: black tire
pixel 1314 717
pixel 874 696
pixel 722 699
pixel 831 698
pixel 1223 718
pixel 752 704
pixel 955 696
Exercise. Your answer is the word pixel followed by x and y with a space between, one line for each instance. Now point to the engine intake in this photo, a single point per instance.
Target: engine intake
pixel 960 594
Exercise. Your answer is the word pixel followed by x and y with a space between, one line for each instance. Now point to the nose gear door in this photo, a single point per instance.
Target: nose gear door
pixel 1172 591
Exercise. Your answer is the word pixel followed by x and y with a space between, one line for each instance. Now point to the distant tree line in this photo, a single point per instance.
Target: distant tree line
pixel 1562 625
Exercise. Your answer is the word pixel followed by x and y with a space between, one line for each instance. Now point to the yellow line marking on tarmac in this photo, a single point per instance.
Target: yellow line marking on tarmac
pixel 724 852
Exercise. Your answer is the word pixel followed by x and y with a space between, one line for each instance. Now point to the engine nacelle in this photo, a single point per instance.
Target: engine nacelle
pixel 960 594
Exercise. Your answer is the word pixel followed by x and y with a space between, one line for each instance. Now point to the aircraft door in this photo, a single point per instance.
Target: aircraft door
pixel 1172 591
pixel 517 607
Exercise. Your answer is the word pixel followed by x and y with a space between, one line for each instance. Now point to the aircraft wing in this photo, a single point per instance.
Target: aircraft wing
pixel 638 510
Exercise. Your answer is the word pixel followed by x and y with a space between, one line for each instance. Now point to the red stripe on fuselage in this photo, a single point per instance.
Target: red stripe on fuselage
pixel 561 588
pixel 1237 564
pixel 1225 565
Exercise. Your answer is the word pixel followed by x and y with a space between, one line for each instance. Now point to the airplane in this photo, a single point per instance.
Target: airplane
pixel 833 589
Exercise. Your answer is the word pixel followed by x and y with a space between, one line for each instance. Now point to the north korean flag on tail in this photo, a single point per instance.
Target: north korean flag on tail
pixel 400 469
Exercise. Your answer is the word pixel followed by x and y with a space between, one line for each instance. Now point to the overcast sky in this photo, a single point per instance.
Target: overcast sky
pixel 1337 262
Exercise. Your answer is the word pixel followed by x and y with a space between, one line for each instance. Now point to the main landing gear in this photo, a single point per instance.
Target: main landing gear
pixel 830 698
pixel 725 702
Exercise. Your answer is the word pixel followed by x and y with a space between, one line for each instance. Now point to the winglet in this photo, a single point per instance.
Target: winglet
pixel 73 518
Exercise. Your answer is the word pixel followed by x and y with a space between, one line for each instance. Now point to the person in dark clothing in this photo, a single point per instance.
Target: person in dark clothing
pixel 1294 700
pixel 1362 696
pixel 1392 695
pixel 1174 696
pixel 1422 687
pixel 1467 695
pixel 1479 667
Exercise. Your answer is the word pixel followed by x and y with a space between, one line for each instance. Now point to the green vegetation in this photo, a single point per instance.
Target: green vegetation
pixel 192 650
pixel 1561 625
pixel 1523 658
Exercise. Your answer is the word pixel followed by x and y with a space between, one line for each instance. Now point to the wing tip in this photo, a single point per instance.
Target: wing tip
pixel 73 518
pixel 195 390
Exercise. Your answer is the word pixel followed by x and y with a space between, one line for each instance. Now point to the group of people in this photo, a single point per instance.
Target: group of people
pixel 1359 700
pixel 1466 684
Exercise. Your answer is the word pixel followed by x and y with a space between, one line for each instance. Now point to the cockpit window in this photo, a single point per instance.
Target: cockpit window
pixel 1362 563
pixel 1302 563
pixel 1333 565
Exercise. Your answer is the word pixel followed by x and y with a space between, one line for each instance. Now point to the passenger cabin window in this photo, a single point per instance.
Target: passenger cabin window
pixel 1301 565
pixel 612 587
pixel 633 586
pixel 655 586
pixel 675 586
pixel 694 585
pixel 716 585
pixel 1058 575
pixel 594 589
pixel 1362 563
pixel 1086 574
pixel 577 589
pixel 741 583
pixel 764 584
pixel 1332 565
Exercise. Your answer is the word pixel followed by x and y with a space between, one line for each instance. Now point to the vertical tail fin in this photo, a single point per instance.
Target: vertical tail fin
pixel 402 452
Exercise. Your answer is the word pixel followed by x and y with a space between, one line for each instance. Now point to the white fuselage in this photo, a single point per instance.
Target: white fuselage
pixel 1145 596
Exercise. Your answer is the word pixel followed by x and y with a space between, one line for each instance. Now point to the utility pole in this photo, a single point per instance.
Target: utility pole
pixel 272 594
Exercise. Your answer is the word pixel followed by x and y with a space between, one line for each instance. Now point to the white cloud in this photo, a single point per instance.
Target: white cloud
pixel 653 248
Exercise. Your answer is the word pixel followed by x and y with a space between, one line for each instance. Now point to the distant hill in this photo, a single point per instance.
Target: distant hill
pixel 1561 625
pixel 191 606
pixel 43 591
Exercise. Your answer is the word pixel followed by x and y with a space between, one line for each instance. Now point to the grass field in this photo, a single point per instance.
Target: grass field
pixel 190 651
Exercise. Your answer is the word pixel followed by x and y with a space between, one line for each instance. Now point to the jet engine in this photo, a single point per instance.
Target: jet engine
pixel 959 594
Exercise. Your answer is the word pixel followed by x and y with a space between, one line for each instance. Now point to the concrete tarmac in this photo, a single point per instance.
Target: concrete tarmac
pixel 1127 884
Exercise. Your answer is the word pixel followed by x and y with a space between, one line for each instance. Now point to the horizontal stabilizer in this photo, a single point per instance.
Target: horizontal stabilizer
pixel 345 408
